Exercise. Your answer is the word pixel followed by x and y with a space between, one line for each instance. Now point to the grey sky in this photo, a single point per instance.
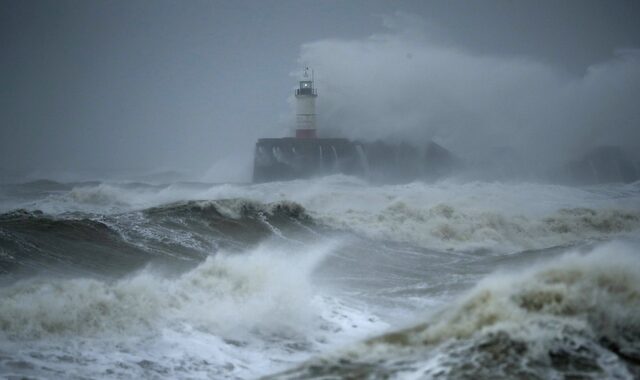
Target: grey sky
pixel 152 85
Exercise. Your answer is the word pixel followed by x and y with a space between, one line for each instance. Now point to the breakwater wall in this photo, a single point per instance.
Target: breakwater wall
pixel 279 159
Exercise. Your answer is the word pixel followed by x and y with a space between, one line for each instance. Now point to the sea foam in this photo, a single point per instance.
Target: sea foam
pixel 577 315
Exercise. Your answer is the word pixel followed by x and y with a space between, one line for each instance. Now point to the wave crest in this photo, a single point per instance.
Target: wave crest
pixel 225 294
pixel 237 208
pixel 100 195
pixel 578 315
pixel 446 227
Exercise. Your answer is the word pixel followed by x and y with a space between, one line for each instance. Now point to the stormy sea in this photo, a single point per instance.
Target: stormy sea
pixel 326 278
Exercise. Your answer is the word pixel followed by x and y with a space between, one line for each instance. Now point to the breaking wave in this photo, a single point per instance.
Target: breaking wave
pixel 577 316
pixel 101 195
pixel 232 316
pixel 231 208
pixel 446 215
pixel 225 293
pixel 445 227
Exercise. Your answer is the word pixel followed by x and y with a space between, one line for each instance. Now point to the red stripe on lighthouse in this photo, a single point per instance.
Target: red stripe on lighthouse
pixel 305 133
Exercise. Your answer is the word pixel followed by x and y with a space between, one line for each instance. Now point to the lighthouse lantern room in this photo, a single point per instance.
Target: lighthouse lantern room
pixel 306 96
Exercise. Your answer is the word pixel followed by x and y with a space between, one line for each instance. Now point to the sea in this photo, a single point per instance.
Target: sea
pixel 324 278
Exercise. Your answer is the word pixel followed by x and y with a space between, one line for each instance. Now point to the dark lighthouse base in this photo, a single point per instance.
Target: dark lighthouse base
pixel 278 159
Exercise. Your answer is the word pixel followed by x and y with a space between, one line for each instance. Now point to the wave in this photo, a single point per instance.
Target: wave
pixel 576 316
pixel 32 242
pixel 445 227
pixel 469 216
pixel 101 195
pixel 232 316
pixel 447 215
pixel 224 293
pixel 238 208
pixel 208 226
pixel 117 244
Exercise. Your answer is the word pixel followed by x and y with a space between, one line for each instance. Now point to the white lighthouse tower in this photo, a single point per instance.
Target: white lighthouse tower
pixel 306 96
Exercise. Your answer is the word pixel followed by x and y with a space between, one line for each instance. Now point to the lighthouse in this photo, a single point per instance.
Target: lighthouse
pixel 306 155
pixel 306 96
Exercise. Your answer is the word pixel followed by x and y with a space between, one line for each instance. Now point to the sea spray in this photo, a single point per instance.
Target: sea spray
pixel 234 315
pixel 227 292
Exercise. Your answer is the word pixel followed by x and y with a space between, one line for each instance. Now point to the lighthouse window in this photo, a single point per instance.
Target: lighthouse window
pixel 306 88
